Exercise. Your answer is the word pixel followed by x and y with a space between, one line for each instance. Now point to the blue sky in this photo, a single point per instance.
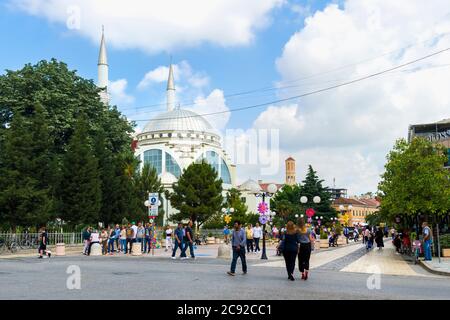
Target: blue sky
pixel 221 47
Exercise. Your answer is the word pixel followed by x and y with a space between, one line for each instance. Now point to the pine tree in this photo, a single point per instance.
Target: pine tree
pixel 26 171
pixel 147 180
pixel 80 190
pixel 197 194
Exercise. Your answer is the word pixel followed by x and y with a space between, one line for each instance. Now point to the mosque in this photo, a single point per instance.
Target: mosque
pixel 174 139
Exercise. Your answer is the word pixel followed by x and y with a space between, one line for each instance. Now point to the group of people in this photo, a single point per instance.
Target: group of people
pixel 296 242
pixel 116 239
pixel 404 244
pixel 373 235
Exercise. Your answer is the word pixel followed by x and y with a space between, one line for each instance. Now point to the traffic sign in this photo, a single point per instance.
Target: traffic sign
pixel 153 199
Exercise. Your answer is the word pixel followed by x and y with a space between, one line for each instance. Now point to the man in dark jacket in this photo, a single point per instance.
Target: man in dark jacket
pixel 188 241
pixel 179 237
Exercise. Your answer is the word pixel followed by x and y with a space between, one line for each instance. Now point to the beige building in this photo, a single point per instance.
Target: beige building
pixel 290 171
pixel 356 209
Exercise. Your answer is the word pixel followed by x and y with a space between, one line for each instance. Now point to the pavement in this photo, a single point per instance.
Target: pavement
pixel 438 267
pixel 336 273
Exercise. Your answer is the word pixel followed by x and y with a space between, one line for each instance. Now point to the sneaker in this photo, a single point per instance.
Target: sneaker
pixel 244 273
pixel 49 254
pixel 173 258
pixel 193 258
pixel 230 273
pixel 40 257
pixel 291 278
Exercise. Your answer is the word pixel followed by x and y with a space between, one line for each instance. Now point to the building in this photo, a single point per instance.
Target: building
pixel 290 171
pixel 174 139
pixel 438 132
pixel 356 209
pixel 250 199
pixel 337 193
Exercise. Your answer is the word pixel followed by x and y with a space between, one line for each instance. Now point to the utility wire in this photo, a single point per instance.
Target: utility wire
pixel 305 94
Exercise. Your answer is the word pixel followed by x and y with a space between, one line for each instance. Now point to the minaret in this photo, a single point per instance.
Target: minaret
pixel 170 90
pixel 290 171
pixel 103 70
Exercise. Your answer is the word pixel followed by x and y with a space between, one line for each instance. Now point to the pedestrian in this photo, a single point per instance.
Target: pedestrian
pixel 304 253
pixel 257 234
pixel 130 239
pixel 86 240
pixel 134 227
pixel 188 241
pixel 104 241
pixel 226 234
pixel 123 239
pixel 392 233
pixel 355 235
pixel 426 241
pixel 274 232
pixel 95 238
pixel 288 246
pixel 169 238
pixel 249 236
pixel 43 237
pixel 397 242
pixel 238 242
pixel 147 237
pixel 346 234
pixel 117 237
pixel 313 238
pixel 379 238
pixel 140 235
pixel 179 235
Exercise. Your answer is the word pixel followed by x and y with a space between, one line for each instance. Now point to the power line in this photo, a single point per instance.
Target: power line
pixel 308 93
pixel 188 103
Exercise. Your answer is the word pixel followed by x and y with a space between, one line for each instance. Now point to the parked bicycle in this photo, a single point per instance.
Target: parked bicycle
pixel 8 245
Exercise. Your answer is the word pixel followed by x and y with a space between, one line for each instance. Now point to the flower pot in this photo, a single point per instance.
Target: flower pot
pixel 324 243
pixel 210 240
pixel 446 252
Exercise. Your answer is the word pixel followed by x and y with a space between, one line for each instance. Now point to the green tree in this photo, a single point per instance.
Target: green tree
pixel 198 193
pixel 146 181
pixel 26 195
pixel 415 181
pixel 80 191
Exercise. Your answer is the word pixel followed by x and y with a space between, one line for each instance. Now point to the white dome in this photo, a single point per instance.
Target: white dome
pixel 167 178
pixel 179 120
pixel 250 185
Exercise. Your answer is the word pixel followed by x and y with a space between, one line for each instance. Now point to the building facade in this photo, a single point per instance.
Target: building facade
pixel 356 209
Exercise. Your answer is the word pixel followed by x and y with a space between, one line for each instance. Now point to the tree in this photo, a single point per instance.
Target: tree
pixel 80 189
pixel 198 193
pixel 26 194
pixel 146 181
pixel 415 181
pixel 233 200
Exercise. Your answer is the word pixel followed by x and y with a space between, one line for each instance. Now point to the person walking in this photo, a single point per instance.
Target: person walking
pixel 86 239
pixel 304 253
pixel 226 234
pixel 43 243
pixel 257 234
pixel 130 239
pixel 140 235
pixel 147 237
pixel 123 239
pixel 104 235
pixel 379 238
pixel 117 237
pixel 426 241
pixel 238 242
pixel 288 246
pixel 392 231
pixel 169 238
pixel 179 235
pixel 249 236
pixel 188 241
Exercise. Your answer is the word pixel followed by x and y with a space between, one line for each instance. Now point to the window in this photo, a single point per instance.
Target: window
pixel 154 158
pixel 225 173
pixel 243 199
pixel 213 159
pixel 172 166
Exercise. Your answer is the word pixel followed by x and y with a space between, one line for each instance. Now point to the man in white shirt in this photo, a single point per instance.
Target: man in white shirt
pixel 169 233
pixel 95 238
pixel 257 234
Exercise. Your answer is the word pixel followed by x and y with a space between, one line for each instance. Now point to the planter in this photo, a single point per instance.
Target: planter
pixel 210 240
pixel 324 243
pixel 217 240
pixel 446 252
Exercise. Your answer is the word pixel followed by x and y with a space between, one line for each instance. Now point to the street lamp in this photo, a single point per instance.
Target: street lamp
pixel 264 218
pixel 309 212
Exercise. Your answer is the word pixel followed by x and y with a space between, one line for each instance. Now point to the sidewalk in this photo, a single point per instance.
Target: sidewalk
pixel 433 266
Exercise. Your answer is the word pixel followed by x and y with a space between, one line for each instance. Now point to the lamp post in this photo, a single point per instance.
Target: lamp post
pixel 264 218
pixel 226 214
pixel 310 211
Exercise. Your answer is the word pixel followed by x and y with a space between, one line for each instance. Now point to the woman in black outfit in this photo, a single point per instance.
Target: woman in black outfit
pixel 289 247
pixel 379 238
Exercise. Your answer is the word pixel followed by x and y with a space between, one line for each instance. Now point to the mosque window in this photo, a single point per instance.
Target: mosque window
pixel 154 158
pixel 172 166
pixel 213 159
pixel 225 173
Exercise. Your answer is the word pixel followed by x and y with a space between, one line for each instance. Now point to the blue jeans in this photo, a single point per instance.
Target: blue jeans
pixel 111 245
pixel 427 249
pixel 147 244
pixel 191 249
pixel 123 245
pixel 238 254
pixel 176 246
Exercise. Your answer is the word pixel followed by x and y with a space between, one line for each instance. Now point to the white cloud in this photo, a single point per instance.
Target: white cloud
pixel 117 90
pixel 346 133
pixel 155 26
pixel 214 102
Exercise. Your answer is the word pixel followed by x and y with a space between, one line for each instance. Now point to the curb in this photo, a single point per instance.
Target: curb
pixel 429 269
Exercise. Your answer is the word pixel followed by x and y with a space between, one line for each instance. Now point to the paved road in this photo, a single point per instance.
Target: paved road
pixel 120 277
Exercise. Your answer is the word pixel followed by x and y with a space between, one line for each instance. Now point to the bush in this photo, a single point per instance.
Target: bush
pixel 210 234
pixel 323 235
pixel 445 241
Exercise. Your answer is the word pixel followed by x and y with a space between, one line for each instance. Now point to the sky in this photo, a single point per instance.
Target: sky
pixel 270 50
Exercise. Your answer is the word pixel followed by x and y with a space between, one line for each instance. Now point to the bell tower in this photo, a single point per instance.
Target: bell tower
pixel 290 171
